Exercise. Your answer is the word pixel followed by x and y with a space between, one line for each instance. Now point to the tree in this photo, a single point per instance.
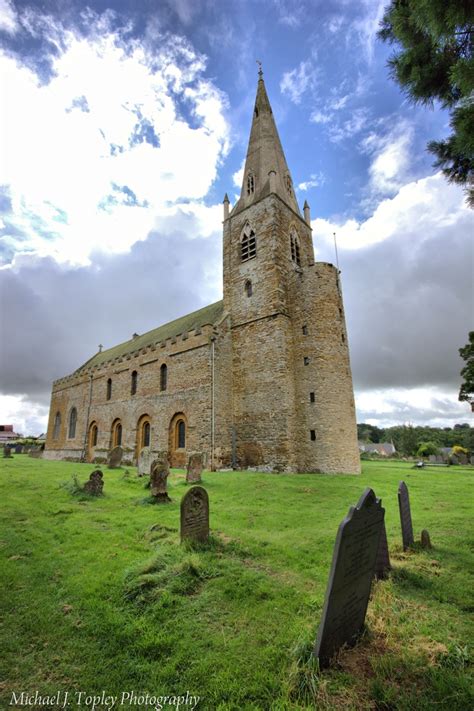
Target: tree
pixel 436 61
pixel 466 391
pixel 427 448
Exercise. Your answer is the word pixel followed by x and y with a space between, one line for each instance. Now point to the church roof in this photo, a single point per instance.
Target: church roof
pixel 265 154
pixel 197 319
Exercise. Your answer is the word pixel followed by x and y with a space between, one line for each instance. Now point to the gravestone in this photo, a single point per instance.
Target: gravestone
pixel 159 473
pixel 382 564
pixel 425 539
pixel 35 452
pixel 350 579
pixel 144 462
pixel 7 452
pixel 195 515
pixel 405 516
pixel 95 485
pixel 115 457
pixel 19 449
pixel 194 468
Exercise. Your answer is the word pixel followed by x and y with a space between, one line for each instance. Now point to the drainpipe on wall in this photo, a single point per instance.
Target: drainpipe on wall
pixel 83 455
pixel 213 343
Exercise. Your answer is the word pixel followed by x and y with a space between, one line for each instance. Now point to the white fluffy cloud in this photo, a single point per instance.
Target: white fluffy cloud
pixel 120 133
pixel 8 19
pixel 296 82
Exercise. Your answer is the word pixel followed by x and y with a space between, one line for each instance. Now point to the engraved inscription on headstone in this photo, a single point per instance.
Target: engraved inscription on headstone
pixel 144 462
pixel 405 516
pixel 115 457
pixel 159 477
pixel 425 539
pixel 195 467
pixel 382 564
pixel 95 485
pixel 195 515
pixel 350 579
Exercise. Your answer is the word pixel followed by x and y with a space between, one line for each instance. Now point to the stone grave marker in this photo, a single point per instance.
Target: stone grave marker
pixel 19 449
pixel 382 564
pixel 7 452
pixel 159 473
pixel 35 452
pixel 194 468
pixel 350 579
pixel 405 516
pixel 115 457
pixel 425 539
pixel 144 462
pixel 95 485
pixel 195 515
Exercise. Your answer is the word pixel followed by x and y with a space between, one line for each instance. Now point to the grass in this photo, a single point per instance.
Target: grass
pixel 99 595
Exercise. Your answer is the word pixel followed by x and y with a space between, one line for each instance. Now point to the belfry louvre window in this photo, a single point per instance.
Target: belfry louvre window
pixel 248 244
pixel 72 423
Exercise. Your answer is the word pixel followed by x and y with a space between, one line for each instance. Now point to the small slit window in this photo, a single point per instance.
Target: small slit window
pixel 248 244
pixel 312 434
pixel 72 423
pixel 311 397
pixel 248 287
pixel 250 184
pixel 57 426
pixel 109 388
pixel 306 360
pixel 133 388
pixel 343 338
pixel 288 184
pixel 163 377
pixel 305 330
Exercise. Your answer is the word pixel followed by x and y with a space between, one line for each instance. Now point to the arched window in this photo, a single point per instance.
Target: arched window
pixel 116 433
pixel 163 377
pixel 248 244
pixel 94 435
pixel 250 184
pixel 295 248
pixel 72 423
pixel 57 425
pixel 143 434
pixel 146 434
pixel 133 389
pixel 180 434
pixel 248 287
pixel 109 388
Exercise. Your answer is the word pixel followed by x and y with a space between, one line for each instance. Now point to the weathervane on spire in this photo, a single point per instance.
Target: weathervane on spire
pixel 260 71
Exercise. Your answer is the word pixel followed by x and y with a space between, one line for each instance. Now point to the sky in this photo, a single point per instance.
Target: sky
pixel 122 125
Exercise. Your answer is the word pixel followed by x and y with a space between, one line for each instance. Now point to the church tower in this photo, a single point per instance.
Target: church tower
pixel 292 396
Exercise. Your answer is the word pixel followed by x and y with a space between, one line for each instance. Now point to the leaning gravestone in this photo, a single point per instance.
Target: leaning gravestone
pixel 195 515
pixel 95 485
pixel 144 462
pixel 194 468
pixel 350 579
pixel 7 452
pixel 115 457
pixel 159 473
pixel 405 516
pixel 382 564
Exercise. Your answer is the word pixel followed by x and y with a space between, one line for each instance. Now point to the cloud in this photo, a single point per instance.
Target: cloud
pixel 8 17
pixel 365 28
pixel 319 117
pixel 407 280
pixel 391 157
pixel 298 81
pixel 315 180
pixel 103 147
pixel 341 131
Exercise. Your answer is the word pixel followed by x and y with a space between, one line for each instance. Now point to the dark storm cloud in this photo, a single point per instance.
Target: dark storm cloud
pixel 54 317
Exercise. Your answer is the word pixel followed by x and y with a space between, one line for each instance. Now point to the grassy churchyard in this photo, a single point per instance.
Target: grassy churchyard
pixel 98 595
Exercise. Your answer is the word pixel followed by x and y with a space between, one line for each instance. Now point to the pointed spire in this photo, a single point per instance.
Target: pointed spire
pixel 226 206
pixel 266 170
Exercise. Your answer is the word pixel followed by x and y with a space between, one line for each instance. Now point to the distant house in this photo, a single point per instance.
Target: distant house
pixel 385 449
pixel 7 434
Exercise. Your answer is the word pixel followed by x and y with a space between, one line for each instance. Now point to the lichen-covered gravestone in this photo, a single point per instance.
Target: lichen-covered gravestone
pixel 144 462
pixel 7 452
pixel 115 457
pixel 194 468
pixel 382 564
pixel 159 473
pixel 405 516
pixel 195 515
pixel 95 485
pixel 350 579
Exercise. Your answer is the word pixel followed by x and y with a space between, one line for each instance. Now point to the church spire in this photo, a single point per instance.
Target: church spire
pixel 266 170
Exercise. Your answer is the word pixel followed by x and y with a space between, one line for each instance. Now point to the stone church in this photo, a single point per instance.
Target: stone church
pixel 261 379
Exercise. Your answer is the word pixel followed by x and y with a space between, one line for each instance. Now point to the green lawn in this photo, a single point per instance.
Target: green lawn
pixel 99 595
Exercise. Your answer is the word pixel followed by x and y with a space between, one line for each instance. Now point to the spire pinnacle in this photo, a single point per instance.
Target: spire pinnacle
pixel 260 70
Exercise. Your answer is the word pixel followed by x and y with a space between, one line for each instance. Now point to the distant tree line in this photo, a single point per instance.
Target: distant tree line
pixel 409 440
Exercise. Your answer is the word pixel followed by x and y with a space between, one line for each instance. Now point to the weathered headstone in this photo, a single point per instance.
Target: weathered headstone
pixel 18 449
pixel 159 473
pixel 144 462
pixel 194 468
pixel 382 564
pixel 405 516
pixel 35 452
pixel 95 485
pixel 115 457
pixel 350 579
pixel 7 452
pixel 195 515
pixel 425 539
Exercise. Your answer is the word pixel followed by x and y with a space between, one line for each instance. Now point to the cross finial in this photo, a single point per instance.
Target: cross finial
pixel 100 347
pixel 260 71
